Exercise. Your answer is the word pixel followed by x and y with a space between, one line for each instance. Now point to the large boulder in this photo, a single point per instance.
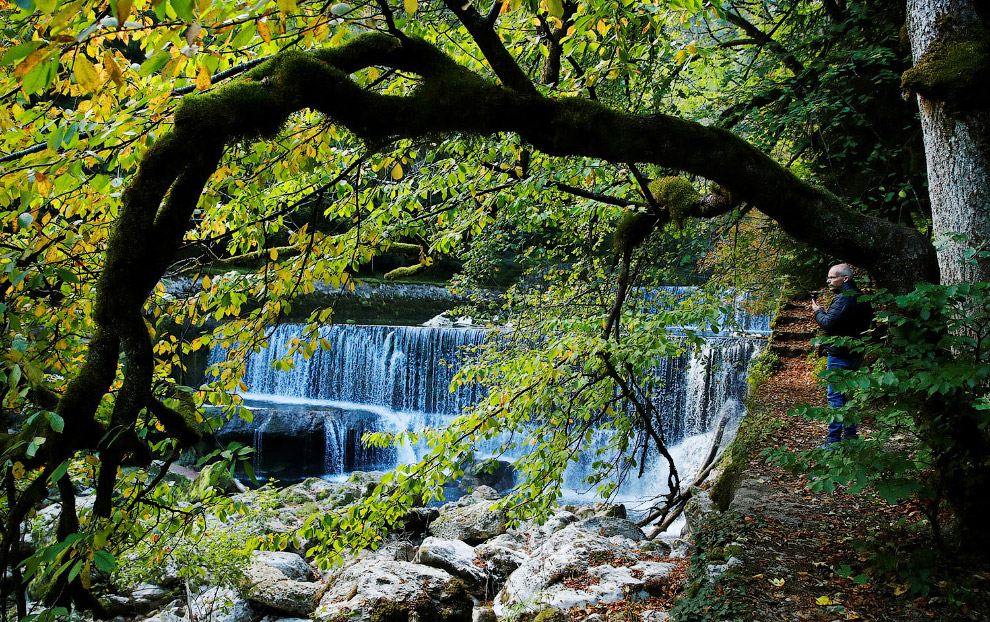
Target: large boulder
pixel 500 557
pixel 577 567
pixel 388 591
pixel 213 476
pixel 456 557
pixel 471 518
pixel 141 599
pixel 291 565
pixel 698 509
pixel 609 527
pixel 536 534
pixel 268 587
pixel 600 509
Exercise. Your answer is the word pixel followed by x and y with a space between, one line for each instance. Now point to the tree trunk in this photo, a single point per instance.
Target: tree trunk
pixel 950 54
pixel 955 134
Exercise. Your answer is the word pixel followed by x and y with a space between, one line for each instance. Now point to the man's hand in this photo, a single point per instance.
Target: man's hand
pixel 814 305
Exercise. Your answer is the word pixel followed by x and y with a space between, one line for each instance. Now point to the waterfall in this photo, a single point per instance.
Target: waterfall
pixel 400 368
pixel 309 420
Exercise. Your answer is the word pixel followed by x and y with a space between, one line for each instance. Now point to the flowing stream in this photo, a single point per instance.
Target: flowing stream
pixel 308 421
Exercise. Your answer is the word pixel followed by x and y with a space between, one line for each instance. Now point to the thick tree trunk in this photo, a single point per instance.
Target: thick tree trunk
pixel 949 49
pixel 955 134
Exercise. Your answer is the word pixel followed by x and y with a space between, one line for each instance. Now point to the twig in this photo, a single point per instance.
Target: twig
pixel 676 505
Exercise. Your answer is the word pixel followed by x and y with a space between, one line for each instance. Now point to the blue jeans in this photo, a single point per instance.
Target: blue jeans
pixel 838 429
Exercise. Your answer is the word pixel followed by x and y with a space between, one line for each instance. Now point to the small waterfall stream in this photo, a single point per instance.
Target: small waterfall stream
pixel 309 421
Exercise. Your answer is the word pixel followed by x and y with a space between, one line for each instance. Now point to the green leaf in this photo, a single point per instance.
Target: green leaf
pixel 57 423
pixel 104 561
pixel 59 471
pixel 184 9
pixel 18 52
pixel 249 471
pixel 154 63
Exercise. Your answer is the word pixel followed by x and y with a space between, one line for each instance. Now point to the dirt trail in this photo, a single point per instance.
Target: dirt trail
pixel 797 543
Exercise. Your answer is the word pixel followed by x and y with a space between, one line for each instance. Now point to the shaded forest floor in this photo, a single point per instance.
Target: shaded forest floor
pixel 834 556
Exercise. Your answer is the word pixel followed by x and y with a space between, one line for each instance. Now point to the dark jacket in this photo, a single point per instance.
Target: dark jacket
pixel 847 316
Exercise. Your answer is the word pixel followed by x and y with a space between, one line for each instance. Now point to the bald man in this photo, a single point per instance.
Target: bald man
pixel 847 316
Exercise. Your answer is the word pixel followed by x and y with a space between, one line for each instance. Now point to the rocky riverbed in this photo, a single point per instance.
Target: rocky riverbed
pixel 458 562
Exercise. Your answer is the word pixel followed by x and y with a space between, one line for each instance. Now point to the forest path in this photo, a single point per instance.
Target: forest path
pixel 812 555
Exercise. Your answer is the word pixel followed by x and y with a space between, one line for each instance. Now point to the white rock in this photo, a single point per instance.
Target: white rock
pixel 291 565
pixel 539 582
pixel 220 604
pixel 363 589
pixel 457 558
pixel 267 586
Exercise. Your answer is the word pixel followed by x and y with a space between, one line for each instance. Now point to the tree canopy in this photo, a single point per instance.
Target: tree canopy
pixel 153 140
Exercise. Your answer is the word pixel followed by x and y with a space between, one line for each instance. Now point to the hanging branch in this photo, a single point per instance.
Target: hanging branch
pixel 673 508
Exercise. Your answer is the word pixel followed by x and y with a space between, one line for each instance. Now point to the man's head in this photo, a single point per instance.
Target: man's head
pixel 839 275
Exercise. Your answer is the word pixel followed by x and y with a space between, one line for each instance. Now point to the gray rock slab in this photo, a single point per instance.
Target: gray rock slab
pixel 375 588
pixel 268 587
pixel 291 565
pixel 457 558
pixel 541 581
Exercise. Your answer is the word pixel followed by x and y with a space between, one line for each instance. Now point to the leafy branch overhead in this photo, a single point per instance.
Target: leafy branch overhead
pixel 296 140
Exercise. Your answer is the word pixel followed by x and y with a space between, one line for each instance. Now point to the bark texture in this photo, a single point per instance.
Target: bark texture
pixel 950 63
pixel 950 49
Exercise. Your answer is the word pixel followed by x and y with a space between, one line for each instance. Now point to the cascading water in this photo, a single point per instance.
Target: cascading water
pixel 389 378
pixel 372 379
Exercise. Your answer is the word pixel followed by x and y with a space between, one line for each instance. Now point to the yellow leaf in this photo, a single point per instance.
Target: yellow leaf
pixel 30 62
pixel 124 10
pixel 777 582
pixel 273 254
pixel 410 6
pixel 18 470
pixel 823 600
pixel 899 589
pixel 113 69
pixel 206 282
pixel 86 74
pixel 203 79
pixel 287 7
pixel 203 5
pixel 62 17
pixel 264 31
pixel 397 171
pixel 372 74
pixel 692 48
